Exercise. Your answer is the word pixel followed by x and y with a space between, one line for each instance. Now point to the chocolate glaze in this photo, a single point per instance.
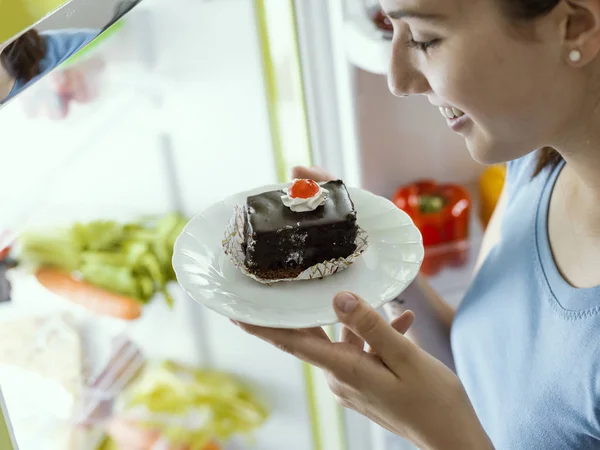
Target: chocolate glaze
pixel 268 213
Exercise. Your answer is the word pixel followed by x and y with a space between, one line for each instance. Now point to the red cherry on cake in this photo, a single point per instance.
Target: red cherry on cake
pixel 303 189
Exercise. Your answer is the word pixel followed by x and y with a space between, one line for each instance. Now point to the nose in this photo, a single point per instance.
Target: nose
pixel 404 78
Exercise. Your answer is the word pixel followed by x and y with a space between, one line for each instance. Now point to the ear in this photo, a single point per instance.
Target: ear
pixel 582 30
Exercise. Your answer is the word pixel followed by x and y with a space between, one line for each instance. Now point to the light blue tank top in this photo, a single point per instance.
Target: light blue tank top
pixel 60 46
pixel 526 343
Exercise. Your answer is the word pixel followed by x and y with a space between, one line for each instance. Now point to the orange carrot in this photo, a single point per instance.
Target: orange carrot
pixel 212 446
pixel 88 295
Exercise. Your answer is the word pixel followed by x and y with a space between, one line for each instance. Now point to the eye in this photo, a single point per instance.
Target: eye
pixel 422 46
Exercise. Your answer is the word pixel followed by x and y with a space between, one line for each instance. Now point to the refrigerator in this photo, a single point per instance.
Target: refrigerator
pixel 198 100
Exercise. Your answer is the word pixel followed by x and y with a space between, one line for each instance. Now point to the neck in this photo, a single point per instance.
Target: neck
pixel 581 146
pixel 585 167
pixel 581 176
pixel 579 139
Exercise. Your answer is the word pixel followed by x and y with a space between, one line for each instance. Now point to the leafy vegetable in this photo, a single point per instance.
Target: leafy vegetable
pixel 193 407
pixel 132 259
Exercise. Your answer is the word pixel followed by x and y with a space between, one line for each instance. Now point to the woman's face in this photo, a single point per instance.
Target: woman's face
pixel 517 92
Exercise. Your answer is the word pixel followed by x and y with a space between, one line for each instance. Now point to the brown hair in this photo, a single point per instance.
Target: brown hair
pixel 521 11
pixel 22 57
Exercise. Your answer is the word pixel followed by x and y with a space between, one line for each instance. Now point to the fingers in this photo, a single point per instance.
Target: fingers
pixel 313 173
pixel 317 331
pixel 310 346
pixel 392 347
pixel 348 337
pixel 401 324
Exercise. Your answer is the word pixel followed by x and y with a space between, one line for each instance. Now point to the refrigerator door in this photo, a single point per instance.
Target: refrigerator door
pixel 329 83
pixel 53 30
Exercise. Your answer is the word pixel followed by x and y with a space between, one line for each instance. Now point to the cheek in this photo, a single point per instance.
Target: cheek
pixel 500 90
pixel 469 77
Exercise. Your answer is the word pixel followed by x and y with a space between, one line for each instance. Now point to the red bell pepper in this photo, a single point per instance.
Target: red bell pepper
pixel 441 213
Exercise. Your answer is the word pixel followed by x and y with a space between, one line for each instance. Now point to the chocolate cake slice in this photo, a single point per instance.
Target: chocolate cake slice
pixel 280 243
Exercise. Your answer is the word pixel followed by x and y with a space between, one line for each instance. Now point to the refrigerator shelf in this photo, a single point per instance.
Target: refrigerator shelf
pixel 38 183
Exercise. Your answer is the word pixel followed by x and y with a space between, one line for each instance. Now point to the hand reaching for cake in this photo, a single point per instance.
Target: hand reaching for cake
pixel 394 383
pixel 313 173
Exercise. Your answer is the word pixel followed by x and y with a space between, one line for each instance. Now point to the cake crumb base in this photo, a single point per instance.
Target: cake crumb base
pixel 277 274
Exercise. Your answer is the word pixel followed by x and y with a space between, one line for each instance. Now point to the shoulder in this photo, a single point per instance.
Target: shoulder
pixel 62 44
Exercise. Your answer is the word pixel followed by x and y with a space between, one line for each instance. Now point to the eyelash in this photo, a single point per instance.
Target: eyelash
pixel 422 46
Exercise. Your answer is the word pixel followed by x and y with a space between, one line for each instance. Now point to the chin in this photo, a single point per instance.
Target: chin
pixel 489 153
pixel 485 154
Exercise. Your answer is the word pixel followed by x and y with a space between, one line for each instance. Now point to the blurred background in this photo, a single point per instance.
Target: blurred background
pixel 175 106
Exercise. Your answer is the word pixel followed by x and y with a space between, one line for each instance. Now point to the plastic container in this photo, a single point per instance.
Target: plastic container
pixel 46 355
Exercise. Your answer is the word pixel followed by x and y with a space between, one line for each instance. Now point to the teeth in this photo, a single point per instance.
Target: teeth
pixel 451 113
pixel 457 112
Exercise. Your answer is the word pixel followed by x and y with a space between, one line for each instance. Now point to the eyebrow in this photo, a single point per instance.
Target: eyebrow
pixel 408 14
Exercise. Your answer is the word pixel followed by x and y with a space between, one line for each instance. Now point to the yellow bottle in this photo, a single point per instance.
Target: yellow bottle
pixel 491 183
pixel 19 15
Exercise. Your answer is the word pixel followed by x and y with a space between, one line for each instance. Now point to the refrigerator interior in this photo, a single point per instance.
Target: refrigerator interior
pixel 180 121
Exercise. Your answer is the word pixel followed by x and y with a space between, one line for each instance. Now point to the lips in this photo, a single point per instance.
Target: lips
pixel 451 112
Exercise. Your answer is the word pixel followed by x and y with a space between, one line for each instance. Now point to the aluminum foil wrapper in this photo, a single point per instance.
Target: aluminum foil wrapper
pixel 233 245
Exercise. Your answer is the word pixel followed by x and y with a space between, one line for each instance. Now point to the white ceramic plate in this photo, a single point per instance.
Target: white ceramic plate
pixel 381 273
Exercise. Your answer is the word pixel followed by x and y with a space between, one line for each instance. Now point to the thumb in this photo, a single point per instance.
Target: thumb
pixel 314 173
pixel 392 347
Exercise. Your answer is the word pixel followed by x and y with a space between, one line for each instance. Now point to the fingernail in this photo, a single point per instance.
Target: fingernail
pixel 345 302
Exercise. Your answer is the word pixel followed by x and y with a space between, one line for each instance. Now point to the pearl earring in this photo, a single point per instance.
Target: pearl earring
pixel 575 56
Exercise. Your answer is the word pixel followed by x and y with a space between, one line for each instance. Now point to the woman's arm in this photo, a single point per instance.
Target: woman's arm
pixel 434 316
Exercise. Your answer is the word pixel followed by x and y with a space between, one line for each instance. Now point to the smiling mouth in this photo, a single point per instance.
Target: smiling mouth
pixel 451 113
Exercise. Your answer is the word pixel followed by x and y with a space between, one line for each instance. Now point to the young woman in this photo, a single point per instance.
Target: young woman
pixel 520 81
pixel 32 55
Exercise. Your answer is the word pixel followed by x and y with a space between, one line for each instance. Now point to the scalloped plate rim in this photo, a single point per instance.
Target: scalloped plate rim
pixel 211 301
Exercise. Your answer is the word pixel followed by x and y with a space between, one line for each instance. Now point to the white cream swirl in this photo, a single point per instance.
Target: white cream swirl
pixel 305 204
